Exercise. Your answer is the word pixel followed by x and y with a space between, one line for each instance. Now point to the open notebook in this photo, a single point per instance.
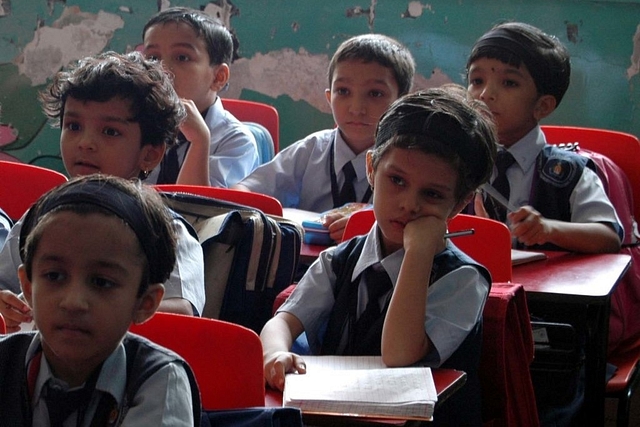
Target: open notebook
pixel 521 257
pixel 361 386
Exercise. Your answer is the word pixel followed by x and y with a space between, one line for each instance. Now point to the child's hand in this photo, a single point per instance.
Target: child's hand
pixel 194 128
pixel 335 223
pixel 14 310
pixel 424 234
pixel 478 205
pixel 529 226
pixel 276 365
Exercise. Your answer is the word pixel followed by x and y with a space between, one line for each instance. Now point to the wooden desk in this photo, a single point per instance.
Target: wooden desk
pixel 447 382
pixel 587 280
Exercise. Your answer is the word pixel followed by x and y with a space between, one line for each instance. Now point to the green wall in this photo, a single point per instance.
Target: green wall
pixel 284 48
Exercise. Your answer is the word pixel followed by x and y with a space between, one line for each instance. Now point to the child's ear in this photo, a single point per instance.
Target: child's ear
pixel 25 284
pixel 148 303
pixel 221 77
pixel 370 170
pixel 327 94
pixel 150 156
pixel 544 106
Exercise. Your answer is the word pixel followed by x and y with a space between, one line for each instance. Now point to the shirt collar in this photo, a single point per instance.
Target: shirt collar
pixel 526 150
pixel 343 154
pixel 372 254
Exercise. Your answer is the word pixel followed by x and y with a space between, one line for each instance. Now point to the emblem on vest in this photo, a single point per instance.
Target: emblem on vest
pixel 558 171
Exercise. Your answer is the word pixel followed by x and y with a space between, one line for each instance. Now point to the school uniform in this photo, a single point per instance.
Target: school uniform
pixel 233 152
pixel 456 296
pixel 139 383
pixel 560 184
pixel 301 176
pixel 186 280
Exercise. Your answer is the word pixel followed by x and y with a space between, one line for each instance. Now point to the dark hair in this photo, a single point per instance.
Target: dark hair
pixel 216 36
pixel 382 49
pixel 140 207
pixel 545 57
pixel 444 123
pixel 154 102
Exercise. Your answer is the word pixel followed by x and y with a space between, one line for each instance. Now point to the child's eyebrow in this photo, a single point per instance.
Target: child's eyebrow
pixel 184 45
pixel 110 119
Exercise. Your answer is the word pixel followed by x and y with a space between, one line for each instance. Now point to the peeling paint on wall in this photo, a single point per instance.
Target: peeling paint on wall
pixel 634 69
pixel 573 32
pixel 370 13
pixel 415 9
pixel 5 7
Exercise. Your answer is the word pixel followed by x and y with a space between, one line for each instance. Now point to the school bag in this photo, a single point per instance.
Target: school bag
pixel 249 256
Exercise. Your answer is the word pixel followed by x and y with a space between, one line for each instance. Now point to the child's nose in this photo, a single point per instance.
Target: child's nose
pixel 74 297
pixel 411 203
pixel 86 141
pixel 358 106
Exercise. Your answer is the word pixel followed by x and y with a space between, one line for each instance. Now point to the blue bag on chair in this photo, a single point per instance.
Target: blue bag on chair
pixel 253 417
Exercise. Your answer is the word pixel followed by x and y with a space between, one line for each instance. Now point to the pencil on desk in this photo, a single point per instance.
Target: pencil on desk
pixel 459 233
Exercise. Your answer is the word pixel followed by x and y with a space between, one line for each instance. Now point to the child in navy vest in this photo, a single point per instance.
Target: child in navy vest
pixel 95 252
pixel 403 291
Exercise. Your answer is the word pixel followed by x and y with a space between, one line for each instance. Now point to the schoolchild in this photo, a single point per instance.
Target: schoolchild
pixel 327 168
pixel 432 150
pixel 95 251
pixel 198 49
pixel 117 114
pixel 522 74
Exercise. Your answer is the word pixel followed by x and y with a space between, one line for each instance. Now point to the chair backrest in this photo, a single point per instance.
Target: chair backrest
pixel 622 148
pixel 490 244
pixel 267 204
pixel 263 138
pixel 258 112
pixel 22 184
pixel 226 358
pixel 360 222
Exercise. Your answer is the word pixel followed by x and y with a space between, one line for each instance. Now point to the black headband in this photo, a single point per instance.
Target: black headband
pixel 504 39
pixel 106 196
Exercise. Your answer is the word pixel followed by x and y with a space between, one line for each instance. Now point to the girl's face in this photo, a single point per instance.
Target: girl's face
pixel 409 184
pixel 360 92
pixel 101 137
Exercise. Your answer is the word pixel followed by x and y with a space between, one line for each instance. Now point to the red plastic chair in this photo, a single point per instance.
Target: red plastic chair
pixel 267 204
pixel 490 244
pixel 258 112
pixel 22 184
pixel 225 357
pixel 622 148
pixel 625 380
pixel 359 223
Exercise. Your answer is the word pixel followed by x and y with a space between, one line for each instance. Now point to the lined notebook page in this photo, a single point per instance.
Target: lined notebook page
pixel 361 386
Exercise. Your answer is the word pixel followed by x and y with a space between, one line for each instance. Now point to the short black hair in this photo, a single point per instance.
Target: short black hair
pixel 445 123
pixel 545 57
pixel 382 49
pixel 216 36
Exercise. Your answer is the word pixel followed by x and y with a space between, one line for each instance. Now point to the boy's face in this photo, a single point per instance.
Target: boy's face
pixel 409 184
pixel 360 92
pixel 185 55
pixel 86 273
pixel 511 95
pixel 101 137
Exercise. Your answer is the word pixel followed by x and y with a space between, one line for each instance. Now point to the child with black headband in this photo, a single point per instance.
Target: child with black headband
pixel 117 113
pixel 95 253
pixel 559 202
pixel 432 150
pixel 522 74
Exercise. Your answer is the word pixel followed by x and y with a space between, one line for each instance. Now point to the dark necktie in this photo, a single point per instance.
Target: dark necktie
pixel 62 403
pixel 348 191
pixel 170 165
pixel 501 183
pixel 378 284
